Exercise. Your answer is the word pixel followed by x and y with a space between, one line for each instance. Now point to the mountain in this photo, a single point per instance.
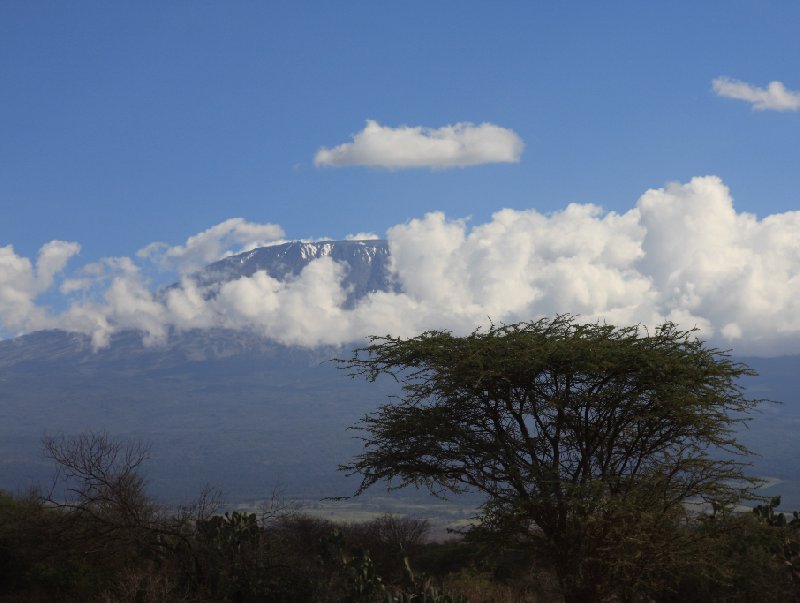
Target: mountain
pixel 241 412
pixel 367 264
pixel 220 406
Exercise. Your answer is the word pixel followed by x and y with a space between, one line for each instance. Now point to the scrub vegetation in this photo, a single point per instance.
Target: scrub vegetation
pixel 607 458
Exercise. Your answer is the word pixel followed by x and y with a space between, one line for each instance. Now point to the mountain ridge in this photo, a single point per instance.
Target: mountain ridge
pixel 367 262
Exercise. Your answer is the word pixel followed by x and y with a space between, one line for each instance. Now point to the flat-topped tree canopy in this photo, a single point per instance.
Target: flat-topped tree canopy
pixel 571 430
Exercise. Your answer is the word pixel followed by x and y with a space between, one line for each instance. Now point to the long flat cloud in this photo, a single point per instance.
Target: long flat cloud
pixel 681 253
pixel 460 145
pixel 775 97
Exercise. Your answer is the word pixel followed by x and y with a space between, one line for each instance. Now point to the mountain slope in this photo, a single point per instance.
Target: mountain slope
pixel 367 264
pixel 241 412
pixel 218 407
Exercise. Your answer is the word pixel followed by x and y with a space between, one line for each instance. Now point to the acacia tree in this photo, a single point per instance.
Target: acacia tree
pixel 588 439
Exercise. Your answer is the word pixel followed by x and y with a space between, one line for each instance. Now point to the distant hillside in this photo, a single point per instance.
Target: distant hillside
pixel 218 407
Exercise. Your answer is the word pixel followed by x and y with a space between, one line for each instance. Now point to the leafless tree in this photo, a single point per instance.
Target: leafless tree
pixel 99 486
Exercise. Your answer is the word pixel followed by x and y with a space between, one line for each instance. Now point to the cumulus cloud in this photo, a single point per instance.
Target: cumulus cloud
pixel 22 282
pixel 775 97
pixel 459 145
pixel 232 236
pixel 682 253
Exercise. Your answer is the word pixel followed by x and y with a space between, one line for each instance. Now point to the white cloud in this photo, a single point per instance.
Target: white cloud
pixel 362 236
pixel 232 236
pixel 459 145
pixel 21 283
pixel 682 253
pixel 118 298
pixel 775 97
pixel 306 310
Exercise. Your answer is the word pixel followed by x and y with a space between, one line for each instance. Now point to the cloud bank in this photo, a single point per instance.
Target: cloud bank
pixel 775 97
pixel 232 236
pixel 682 253
pixel 460 145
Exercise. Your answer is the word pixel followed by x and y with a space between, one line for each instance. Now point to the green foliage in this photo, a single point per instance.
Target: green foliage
pixel 388 538
pixel 231 557
pixel 786 547
pixel 766 513
pixel 364 584
pixel 236 562
pixel 420 588
pixel 737 557
pixel 45 556
pixel 587 439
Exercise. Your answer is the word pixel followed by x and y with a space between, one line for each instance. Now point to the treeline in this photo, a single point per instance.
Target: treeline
pixel 51 554
pixel 97 536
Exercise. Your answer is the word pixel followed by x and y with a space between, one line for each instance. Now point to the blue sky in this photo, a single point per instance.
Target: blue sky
pixel 125 123
pixel 122 124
